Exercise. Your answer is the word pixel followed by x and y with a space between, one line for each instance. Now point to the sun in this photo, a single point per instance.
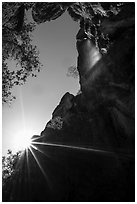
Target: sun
pixel 22 139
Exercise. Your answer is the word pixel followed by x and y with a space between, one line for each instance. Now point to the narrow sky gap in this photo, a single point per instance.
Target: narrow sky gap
pixel 56 43
pixel 36 99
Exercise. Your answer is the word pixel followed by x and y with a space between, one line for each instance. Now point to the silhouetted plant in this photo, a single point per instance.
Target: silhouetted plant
pixel 16 45
pixel 9 163
pixel 56 123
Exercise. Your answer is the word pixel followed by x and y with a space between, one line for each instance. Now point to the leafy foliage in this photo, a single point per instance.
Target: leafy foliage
pixel 9 164
pixel 10 168
pixel 47 11
pixel 44 11
pixel 56 123
pixel 73 72
pixel 16 38
pixel 17 46
pixel 95 12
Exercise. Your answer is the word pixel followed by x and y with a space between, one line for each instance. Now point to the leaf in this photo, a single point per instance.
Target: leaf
pixel 81 10
pixel 73 72
pixel 16 46
pixel 43 12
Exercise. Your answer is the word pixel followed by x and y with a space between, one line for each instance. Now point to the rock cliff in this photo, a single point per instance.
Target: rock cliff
pixel 102 115
pixel 91 136
pixel 86 151
pixel 92 133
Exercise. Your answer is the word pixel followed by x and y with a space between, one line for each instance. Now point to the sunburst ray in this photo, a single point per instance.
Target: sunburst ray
pixel 43 152
pixel 41 168
pixel 28 170
pixel 72 147
pixel 15 188
pixel 89 149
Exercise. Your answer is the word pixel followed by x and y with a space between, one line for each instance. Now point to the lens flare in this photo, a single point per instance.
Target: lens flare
pixel 22 140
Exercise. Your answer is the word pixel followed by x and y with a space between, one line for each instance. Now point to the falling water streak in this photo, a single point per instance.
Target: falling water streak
pixel 85 149
pixel 42 170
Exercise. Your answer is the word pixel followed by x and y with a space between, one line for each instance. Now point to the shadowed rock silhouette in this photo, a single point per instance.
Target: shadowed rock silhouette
pixel 87 154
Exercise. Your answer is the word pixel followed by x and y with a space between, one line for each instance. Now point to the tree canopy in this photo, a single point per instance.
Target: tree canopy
pixel 105 17
pixel 16 45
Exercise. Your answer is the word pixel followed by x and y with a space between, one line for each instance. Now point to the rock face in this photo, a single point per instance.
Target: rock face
pixel 94 140
pixel 92 133
pixel 86 151
pixel 102 115
pixel 88 54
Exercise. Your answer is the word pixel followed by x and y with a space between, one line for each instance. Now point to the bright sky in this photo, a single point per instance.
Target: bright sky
pixel 37 99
